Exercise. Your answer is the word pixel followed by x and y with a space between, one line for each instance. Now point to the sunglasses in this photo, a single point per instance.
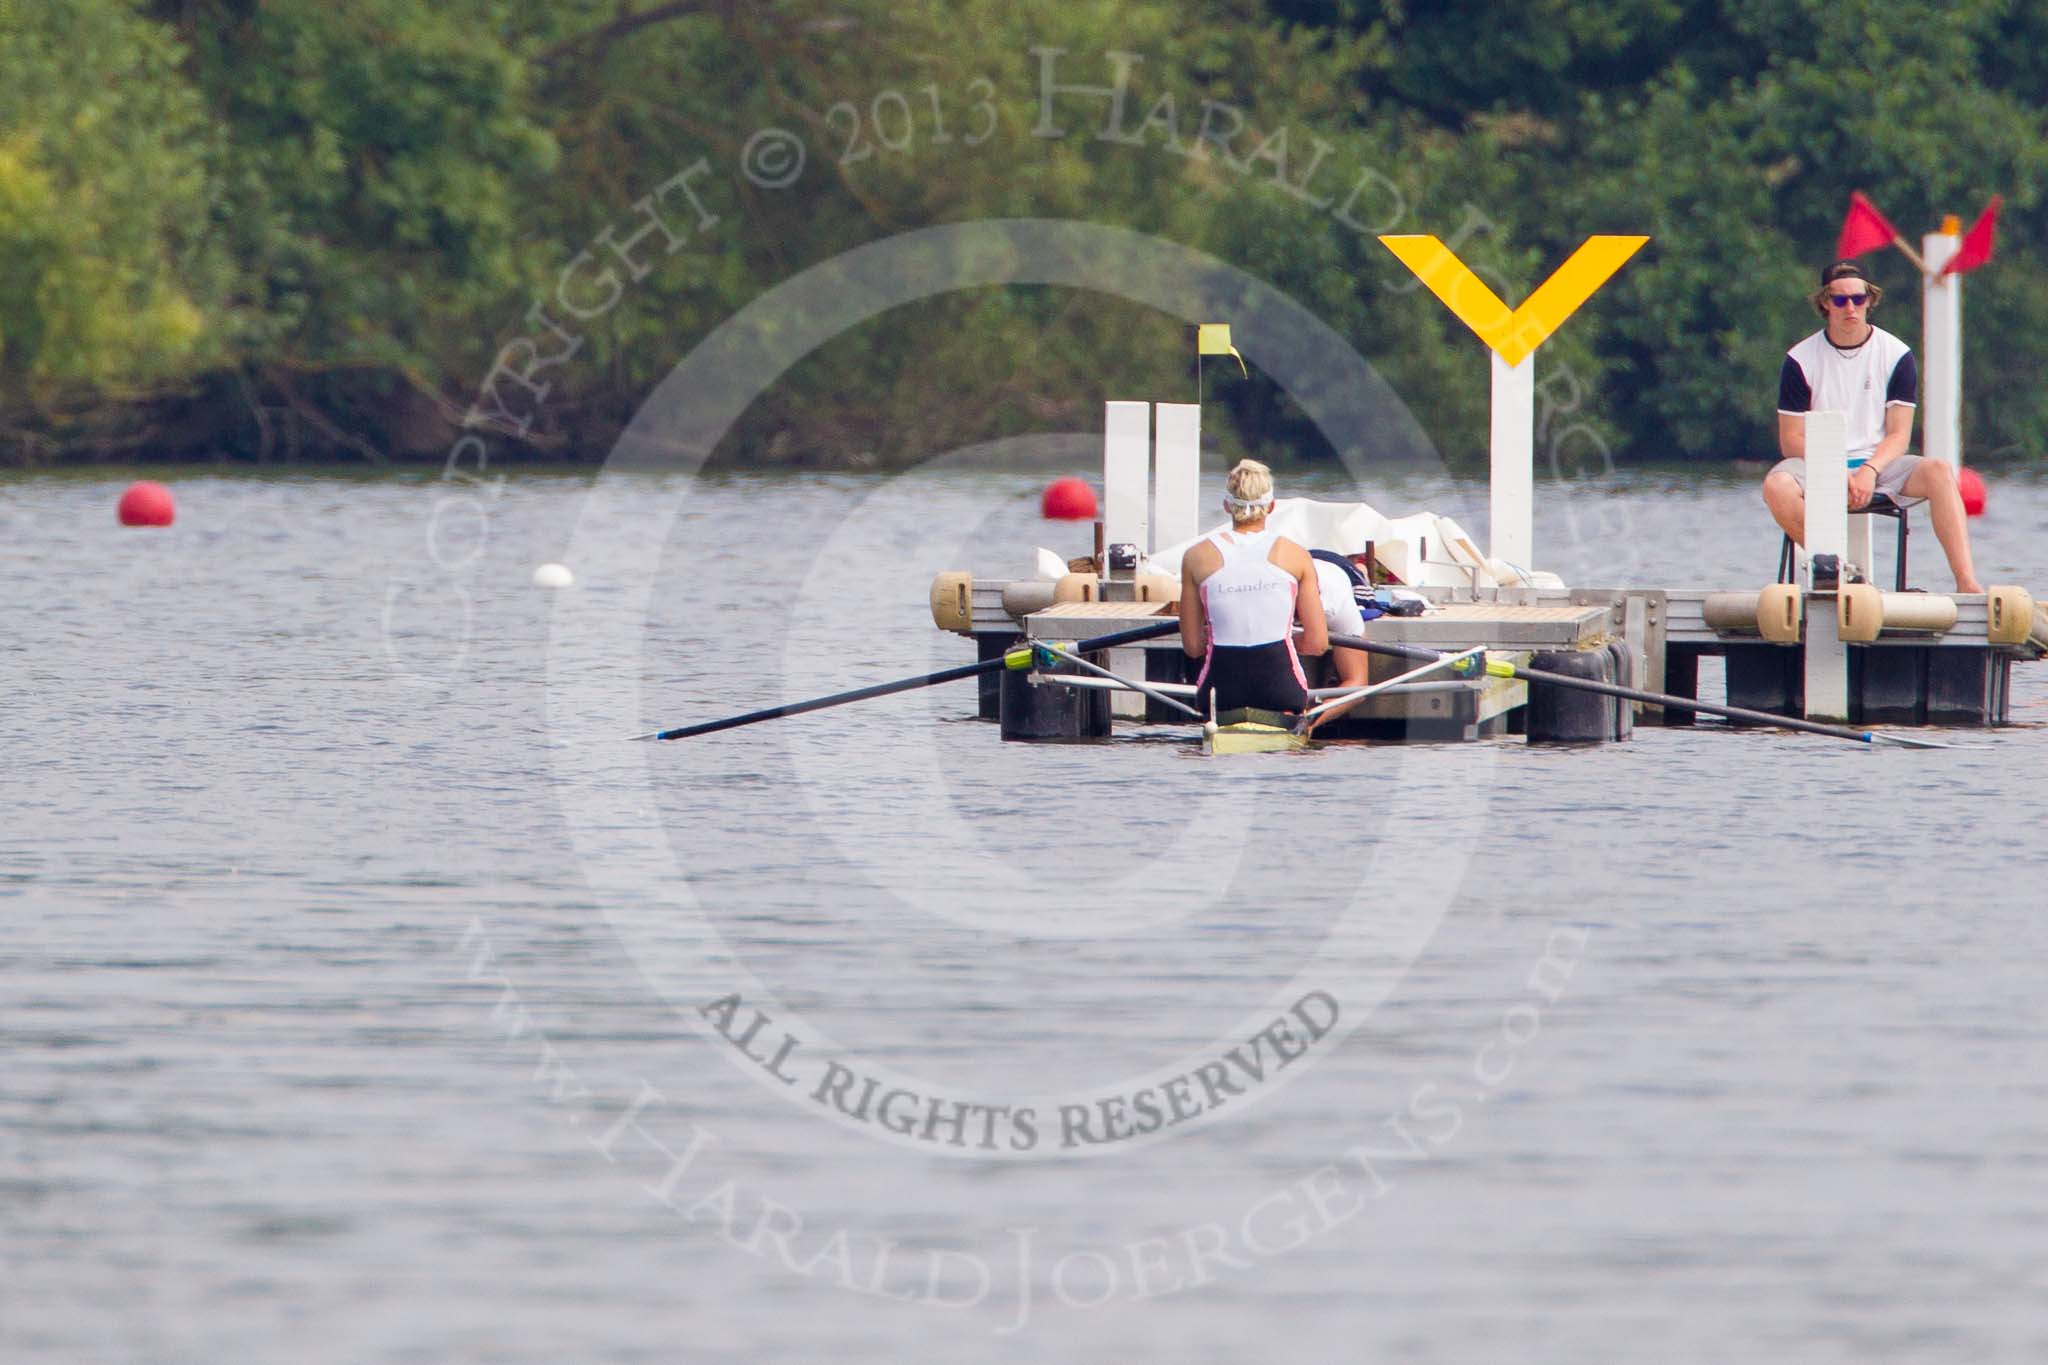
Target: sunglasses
pixel 1848 300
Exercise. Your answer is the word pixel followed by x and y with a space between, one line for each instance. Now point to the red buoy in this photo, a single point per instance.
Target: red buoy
pixel 1068 500
pixel 1971 485
pixel 147 504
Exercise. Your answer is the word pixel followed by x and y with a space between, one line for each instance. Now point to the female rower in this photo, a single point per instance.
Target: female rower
pixel 1242 592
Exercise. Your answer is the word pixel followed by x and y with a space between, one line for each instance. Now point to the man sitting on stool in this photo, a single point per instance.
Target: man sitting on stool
pixel 1865 372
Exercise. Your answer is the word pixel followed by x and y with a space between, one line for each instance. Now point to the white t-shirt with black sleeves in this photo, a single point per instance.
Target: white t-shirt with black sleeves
pixel 1859 381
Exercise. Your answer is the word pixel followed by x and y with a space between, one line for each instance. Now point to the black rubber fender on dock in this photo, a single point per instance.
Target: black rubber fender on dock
pixel 1566 715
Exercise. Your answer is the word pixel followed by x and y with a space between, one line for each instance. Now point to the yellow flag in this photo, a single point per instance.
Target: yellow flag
pixel 1213 338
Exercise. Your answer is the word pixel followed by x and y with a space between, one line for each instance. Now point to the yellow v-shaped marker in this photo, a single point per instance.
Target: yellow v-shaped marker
pixel 1513 333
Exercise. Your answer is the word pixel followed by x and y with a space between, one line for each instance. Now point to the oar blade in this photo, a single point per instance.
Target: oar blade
pixel 1909 741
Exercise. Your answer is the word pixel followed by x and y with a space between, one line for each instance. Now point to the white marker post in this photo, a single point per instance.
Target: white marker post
pixel 1861 552
pixel 1512 505
pixel 1126 505
pixel 1126 474
pixel 1827 533
pixel 1941 346
pixel 1177 475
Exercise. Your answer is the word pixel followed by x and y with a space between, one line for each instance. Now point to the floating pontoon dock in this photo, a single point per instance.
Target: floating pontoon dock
pixel 1829 648
pixel 1652 638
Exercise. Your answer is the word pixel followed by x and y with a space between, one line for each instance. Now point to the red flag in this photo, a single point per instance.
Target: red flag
pixel 1976 246
pixel 1865 229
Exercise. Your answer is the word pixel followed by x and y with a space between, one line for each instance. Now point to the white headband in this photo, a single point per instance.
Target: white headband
pixel 1235 505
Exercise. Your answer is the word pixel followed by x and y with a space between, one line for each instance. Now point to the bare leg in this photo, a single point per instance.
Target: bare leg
pixel 1935 481
pixel 1787 501
pixel 1354 670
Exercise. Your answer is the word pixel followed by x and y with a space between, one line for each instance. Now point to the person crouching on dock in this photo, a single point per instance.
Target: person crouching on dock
pixel 1242 593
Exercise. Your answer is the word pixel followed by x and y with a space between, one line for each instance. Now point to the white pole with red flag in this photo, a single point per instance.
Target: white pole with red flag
pixel 1947 257
pixel 1943 334
pixel 1941 346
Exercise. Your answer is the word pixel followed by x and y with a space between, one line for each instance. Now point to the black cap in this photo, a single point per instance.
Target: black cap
pixel 1843 270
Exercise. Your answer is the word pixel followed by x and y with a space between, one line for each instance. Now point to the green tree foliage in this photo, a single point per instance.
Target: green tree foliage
pixel 378 158
pixel 261 227
pixel 380 151
pixel 1733 131
pixel 104 197
pixel 914 116
pixel 1745 182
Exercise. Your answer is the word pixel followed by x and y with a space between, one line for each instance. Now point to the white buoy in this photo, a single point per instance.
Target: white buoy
pixel 553 576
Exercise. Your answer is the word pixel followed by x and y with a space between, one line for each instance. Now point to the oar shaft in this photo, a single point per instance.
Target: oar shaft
pixel 1626 693
pixel 944 675
pixel 797 708
pixel 1387 647
pixel 1104 684
pixel 1073 658
pixel 1666 699
pixel 1360 694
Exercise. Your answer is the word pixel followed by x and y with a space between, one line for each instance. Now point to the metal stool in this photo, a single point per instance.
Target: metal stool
pixel 1880 505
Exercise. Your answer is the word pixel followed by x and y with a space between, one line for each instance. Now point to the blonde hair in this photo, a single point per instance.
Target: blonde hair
pixel 1248 491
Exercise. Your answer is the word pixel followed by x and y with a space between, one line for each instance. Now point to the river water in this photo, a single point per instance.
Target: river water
pixel 366 995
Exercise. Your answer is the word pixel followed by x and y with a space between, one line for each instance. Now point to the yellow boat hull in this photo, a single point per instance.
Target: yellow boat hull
pixel 1251 732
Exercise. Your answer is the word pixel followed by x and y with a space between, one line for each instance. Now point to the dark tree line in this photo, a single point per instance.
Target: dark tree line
pixel 284 229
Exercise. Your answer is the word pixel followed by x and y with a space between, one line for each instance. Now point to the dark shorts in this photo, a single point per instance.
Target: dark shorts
pixel 1265 676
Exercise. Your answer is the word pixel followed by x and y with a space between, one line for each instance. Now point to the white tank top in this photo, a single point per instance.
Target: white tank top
pixel 1250 599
